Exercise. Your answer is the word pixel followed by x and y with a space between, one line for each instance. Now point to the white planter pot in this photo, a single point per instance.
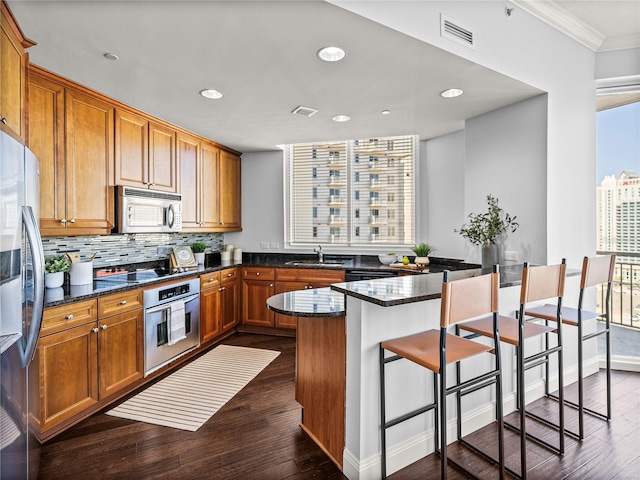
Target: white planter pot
pixel 421 261
pixel 199 258
pixel 54 280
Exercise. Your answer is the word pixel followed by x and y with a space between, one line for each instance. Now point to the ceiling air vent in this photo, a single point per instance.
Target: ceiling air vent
pixel 304 111
pixel 450 30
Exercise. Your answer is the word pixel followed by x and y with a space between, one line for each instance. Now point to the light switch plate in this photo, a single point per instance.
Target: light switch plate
pixel 264 244
pixel 275 245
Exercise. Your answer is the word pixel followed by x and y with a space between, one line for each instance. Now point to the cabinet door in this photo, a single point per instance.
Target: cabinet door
pixel 46 140
pixel 13 61
pixel 162 159
pixel 89 157
pixel 254 300
pixel 209 186
pixel 120 351
pixel 288 321
pixel 131 155
pixel 210 321
pixel 229 300
pixel 188 151
pixel 68 370
pixel 229 191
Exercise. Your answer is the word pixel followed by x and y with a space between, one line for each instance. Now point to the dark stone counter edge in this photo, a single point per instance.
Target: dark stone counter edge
pixel 292 313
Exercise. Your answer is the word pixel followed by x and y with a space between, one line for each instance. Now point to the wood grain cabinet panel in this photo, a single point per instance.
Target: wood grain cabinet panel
pixel 210 322
pixel 258 284
pixel 71 133
pixel 144 153
pixel 120 351
pixel 13 75
pixel 229 298
pixel 230 191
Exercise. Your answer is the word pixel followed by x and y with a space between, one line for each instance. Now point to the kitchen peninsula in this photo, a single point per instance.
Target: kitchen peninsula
pixel 382 309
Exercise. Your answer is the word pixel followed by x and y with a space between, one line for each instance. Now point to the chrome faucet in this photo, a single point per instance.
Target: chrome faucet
pixel 320 253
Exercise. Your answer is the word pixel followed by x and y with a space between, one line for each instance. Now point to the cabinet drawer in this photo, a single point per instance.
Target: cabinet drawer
pixel 209 280
pixel 258 273
pixel 228 275
pixel 309 275
pixel 56 319
pixel 119 303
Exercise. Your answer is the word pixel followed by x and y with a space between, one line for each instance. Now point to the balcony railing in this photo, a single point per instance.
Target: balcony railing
pixel 625 290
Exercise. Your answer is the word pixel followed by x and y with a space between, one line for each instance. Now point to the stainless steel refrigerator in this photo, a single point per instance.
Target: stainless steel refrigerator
pixel 21 304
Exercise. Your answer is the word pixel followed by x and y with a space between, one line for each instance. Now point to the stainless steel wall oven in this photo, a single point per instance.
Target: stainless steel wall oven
pixel 171 322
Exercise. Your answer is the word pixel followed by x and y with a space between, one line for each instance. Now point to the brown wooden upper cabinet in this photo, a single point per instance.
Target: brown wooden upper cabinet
pixel 13 74
pixel 209 180
pixel 71 134
pixel 144 153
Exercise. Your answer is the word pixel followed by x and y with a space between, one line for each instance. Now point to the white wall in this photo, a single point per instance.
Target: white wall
pixel 442 193
pixel 618 64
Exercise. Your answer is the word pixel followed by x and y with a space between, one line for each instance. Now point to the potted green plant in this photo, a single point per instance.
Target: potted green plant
pixel 54 268
pixel 422 251
pixel 198 250
pixel 484 229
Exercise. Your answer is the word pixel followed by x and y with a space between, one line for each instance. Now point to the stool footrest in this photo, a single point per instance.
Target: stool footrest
pixel 595 413
pixel 535 439
pixel 407 416
pixel 488 457
pixel 477 383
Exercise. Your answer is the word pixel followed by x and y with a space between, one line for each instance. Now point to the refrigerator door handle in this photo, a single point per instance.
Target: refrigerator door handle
pixel 37 254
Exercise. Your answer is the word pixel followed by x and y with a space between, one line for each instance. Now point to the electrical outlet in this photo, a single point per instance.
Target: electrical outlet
pixel 275 245
pixel 510 256
pixel 264 244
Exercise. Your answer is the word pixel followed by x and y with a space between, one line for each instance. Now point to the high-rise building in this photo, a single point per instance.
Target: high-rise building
pixel 618 219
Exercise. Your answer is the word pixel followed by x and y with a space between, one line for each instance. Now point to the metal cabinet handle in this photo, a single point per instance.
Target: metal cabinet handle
pixel 222 289
pixel 70 316
pixel 64 220
pixel 211 280
pixel 73 220
pixel 94 330
pixel 257 274
pixel 123 302
pixel 229 274
pixel 3 120
pixel 271 285
pixel 104 327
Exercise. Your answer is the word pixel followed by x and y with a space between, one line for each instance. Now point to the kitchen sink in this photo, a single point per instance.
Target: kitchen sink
pixel 314 263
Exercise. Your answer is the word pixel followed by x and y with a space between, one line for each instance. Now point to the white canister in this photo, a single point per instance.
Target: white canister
pixel 81 273
pixel 229 247
pixel 237 255
pixel 225 256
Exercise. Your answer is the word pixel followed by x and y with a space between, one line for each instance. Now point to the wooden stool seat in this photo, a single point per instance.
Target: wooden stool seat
pixel 508 328
pixel 422 348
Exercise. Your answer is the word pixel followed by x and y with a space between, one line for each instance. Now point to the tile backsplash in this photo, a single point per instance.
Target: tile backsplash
pixel 126 248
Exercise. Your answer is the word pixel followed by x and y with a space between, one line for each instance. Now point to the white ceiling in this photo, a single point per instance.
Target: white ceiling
pixel 262 56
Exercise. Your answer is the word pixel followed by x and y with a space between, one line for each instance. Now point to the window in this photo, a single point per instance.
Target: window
pixel 321 192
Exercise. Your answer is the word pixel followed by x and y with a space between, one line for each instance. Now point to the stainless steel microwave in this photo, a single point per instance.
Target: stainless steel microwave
pixel 148 211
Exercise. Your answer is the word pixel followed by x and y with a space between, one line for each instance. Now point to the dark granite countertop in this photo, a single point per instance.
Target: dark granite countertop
pixel 72 293
pixel 316 302
pixel 388 292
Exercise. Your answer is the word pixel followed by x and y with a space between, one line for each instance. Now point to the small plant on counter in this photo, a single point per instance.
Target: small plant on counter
pixel 198 247
pixel 58 263
pixel 422 250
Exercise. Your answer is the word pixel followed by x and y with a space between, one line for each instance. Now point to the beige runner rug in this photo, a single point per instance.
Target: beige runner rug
pixel 187 398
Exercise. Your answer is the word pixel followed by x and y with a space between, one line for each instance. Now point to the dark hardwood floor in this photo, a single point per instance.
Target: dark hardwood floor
pixel 256 436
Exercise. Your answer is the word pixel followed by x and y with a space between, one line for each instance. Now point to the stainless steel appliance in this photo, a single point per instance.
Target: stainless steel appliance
pixel 171 322
pixel 21 304
pixel 148 211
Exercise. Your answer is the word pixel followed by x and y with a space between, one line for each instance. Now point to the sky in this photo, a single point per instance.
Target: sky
pixel 617 141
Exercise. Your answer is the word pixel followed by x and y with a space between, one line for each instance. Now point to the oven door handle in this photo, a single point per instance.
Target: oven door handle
pixel 167 306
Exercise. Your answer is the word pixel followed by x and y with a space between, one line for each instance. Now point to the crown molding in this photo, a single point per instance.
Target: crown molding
pixel 554 15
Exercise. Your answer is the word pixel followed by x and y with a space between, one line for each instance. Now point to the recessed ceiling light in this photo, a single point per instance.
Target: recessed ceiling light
pixel 212 94
pixel 331 54
pixel 341 118
pixel 385 112
pixel 452 93
pixel 111 56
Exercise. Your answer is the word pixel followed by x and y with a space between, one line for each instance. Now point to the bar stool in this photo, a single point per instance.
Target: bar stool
pixel 538 283
pixel 435 349
pixel 595 271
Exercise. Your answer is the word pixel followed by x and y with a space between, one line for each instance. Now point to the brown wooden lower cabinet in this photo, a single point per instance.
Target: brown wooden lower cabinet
pixel 84 356
pixel 219 303
pixel 321 381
